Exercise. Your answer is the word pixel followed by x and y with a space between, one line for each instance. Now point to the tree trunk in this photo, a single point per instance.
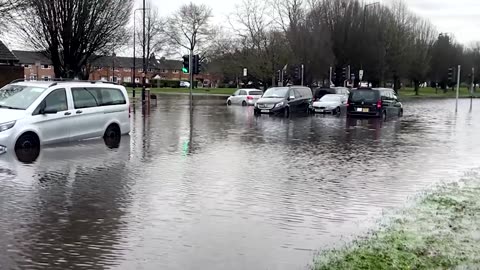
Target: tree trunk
pixel 416 83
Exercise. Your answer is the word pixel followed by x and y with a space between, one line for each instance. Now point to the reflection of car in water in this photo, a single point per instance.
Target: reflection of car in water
pixel 284 100
pixel 41 113
pixel 98 148
pixel 376 102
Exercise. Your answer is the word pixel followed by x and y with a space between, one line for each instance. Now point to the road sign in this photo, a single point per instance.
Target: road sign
pixel 245 72
pixel 360 75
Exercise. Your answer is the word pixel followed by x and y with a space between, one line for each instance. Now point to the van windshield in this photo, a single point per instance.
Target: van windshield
pixel 19 97
pixel 277 92
pixel 363 95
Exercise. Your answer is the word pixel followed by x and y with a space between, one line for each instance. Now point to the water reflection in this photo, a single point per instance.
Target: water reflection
pixel 218 188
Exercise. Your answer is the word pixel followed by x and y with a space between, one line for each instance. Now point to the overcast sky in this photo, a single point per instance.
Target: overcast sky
pixel 458 17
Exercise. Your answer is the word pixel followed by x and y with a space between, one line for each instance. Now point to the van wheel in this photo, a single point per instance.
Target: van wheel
pixel 229 102
pixel 384 116
pixel 112 136
pixel 286 112
pixel 244 103
pixel 27 141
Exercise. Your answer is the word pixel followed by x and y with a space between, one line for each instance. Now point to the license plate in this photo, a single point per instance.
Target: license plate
pixel 265 111
pixel 319 111
pixel 363 110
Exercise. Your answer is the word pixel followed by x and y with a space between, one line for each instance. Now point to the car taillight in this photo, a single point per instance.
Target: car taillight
pixel 129 111
pixel 347 104
pixel 379 104
pixel 249 97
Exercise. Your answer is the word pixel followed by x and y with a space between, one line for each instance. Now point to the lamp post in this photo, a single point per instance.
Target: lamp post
pixel 365 22
pixel 134 69
pixel 144 62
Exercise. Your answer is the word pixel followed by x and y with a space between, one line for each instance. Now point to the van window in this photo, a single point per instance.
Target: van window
pixel 84 98
pixel 111 97
pixel 363 95
pixel 55 101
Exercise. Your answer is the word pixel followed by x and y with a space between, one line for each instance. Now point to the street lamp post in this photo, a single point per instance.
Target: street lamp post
pixel 134 69
pixel 144 62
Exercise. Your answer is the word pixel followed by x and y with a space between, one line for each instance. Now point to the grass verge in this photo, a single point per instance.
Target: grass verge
pixel 207 91
pixel 429 92
pixel 442 231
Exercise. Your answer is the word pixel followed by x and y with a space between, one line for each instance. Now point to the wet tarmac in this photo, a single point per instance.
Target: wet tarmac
pixel 223 189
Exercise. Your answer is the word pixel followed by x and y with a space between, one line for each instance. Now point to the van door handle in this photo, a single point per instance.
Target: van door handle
pixel 79 112
pixel 68 113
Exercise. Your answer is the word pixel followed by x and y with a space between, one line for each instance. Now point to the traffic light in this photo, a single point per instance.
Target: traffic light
pixel 186 64
pixel 450 74
pixel 344 74
pixel 197 65
pixel 334 76
pixel 297 73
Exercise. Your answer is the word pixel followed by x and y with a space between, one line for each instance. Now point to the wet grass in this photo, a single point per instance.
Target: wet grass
pixel 442 231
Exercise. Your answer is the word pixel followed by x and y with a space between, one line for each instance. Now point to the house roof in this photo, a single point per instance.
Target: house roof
pixel 5 54
pixel 32 57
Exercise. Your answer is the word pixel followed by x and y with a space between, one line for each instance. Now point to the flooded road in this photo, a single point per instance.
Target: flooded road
pixel 223 189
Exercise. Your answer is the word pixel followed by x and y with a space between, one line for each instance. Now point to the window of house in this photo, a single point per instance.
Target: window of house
pixel 127 79
pixel 45 67
pixel 27 66
pixel 175 71
pixel 127 69
pixel 46 78
pixel 163 71
pixel 103 79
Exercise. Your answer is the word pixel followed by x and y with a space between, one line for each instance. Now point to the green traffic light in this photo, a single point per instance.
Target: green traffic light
pixel 185 70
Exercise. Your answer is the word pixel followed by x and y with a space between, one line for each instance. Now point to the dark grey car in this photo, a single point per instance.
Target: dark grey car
pixel 284 100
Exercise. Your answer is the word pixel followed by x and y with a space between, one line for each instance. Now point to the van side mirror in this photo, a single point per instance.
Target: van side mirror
pixel 291 98
pixel 45 110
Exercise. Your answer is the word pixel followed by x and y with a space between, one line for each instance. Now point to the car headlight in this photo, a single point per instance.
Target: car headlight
pixel 280 104
pixel 7 126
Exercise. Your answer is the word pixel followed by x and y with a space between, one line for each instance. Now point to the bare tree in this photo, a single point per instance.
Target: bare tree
pixel 189 28
pixel 71 32
pixel 154 39
pixel 7 8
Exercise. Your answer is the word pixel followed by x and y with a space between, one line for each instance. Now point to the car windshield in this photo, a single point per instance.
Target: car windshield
pixel 330 98
pixel 19 97
pixel 363 95
pixel 278 92
pixel 256 93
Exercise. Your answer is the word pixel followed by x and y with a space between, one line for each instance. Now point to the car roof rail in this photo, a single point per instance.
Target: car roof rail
pixel 17 80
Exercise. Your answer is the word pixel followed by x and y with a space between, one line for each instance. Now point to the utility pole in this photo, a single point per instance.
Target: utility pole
pixel 303 72
pixel 330 76
pixel 473 82
pixel 458 88
pixel 190 70
pixel 144 75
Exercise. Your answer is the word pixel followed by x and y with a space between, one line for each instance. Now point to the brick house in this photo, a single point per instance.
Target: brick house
pixel 113 68
pixel 9 66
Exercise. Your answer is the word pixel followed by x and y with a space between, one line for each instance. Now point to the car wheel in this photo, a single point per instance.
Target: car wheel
pixel 244 103
pixel 338 111
pixel 286 112
pixel 112 136
pixel 229 102
pixel 400 113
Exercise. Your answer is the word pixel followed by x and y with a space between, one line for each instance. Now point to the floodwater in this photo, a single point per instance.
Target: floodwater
pixel 223 189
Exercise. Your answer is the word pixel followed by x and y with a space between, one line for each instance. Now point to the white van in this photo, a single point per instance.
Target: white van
pixel 40 113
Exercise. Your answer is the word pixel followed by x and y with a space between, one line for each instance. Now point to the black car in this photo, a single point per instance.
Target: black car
pixel 284 100
pixel 375 102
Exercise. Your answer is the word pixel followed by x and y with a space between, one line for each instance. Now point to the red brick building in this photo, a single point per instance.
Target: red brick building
pixel 114 68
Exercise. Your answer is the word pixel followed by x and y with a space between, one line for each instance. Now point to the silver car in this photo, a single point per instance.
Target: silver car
pixel 245 97
pixel 330 104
